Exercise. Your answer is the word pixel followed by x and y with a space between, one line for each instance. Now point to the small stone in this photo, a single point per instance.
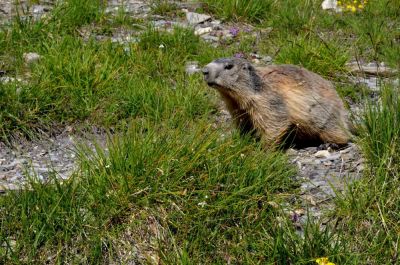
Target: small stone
pixel 7 79
pixel 40 9
pixel 345 151
pixel 273 204
pixel 209 38
pixel 266 59
pixel 376 69
pixel 291 152
pixel 309 199
pixel 332 157
pixel 329 4
pixel 31 57
pixel 192 67
pixel 216 22
pixel 8 186
pixel 202 31
pixel 322 154
pixel 300 212
pixel 255 56
pixel 196 18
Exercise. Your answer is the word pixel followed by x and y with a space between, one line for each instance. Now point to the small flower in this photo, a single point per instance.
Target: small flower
pixel 202 204
pixel 324 261
pixel 161 46
pixel 238 55
pixel 352 5
pixel 234 31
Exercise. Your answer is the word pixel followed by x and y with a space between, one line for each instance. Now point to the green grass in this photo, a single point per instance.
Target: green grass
pixel 247 10
pixel 370 209
pixel 173 187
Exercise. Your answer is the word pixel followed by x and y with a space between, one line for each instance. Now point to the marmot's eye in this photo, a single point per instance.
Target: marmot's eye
pixel 228 66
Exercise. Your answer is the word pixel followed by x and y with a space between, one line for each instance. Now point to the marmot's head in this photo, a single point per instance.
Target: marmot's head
pixel 233 74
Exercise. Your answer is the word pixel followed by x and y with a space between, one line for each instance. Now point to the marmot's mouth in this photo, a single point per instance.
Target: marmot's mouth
pixel 214 85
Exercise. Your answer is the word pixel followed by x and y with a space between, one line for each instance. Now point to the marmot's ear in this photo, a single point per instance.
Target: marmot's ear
pixel 247 66
pixel 256 81
pixel 228 66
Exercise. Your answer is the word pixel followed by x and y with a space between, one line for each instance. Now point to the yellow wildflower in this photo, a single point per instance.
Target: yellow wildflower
pixel 324 261
pixel 352 5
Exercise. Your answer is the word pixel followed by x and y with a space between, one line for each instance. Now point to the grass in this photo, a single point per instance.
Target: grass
pixel 247 10
pixel 170 187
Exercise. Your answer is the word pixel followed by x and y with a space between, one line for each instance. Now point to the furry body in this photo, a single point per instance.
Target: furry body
pixel 280 103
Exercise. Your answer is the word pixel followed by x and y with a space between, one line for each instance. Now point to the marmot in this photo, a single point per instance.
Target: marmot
pixel 282 104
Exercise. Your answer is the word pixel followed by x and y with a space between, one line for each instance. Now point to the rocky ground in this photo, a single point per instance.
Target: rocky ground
pixel 322 172
pixel 45 157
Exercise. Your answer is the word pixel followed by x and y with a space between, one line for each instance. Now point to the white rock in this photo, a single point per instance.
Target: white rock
pixel 7 79
pixel 322 154
pixel 330 5
pixel 202 31
pixel 209 38
pixel 192 67
pixel 196 18
pixel 31 57
pixel 371 69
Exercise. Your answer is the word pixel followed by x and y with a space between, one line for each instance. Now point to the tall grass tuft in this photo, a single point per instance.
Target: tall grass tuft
pixel 247 10
pixel 371 206
pixel 210 195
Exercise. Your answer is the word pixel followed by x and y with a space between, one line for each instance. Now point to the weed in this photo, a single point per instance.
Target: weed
pixel 248 10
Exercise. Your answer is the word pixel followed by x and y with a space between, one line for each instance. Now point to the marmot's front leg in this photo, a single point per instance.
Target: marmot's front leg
pixel 274 130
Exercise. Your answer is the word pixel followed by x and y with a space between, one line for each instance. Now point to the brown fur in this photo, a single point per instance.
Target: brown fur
pixel 281 102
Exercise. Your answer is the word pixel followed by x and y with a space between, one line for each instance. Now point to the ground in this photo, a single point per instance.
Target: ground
pixel 113 150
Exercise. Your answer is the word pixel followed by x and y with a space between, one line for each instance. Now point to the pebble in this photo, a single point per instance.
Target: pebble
pixel 31 57
pixel 192 67
pixel 202 31
pixel 195 18
pixel 322 154
pixel 372 68
pixel 330 5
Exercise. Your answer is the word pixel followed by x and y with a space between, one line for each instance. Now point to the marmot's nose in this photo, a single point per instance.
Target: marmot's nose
pixel 205 71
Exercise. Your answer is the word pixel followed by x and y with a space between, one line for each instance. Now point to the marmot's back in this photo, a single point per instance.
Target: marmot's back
pixel 280 100
pixel 310 99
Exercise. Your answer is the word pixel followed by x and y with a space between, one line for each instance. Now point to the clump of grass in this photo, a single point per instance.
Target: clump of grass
pixel 68 15
pixel 325 57
pixel 382 129
pixel 102 82
pixel 165 8
pixel 246 10
pixel 369 210
pixel 212 193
